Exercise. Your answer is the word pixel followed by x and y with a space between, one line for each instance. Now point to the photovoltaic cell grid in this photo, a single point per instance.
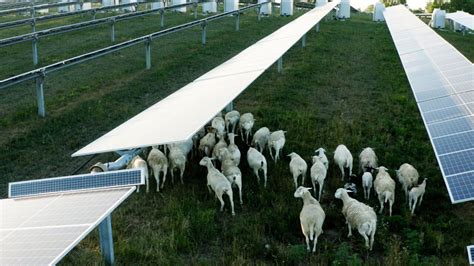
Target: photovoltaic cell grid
pixel 463 18
pixel 77 182
pixel 470 254
pixel 442 81
pixel 42 230
pixel 196 103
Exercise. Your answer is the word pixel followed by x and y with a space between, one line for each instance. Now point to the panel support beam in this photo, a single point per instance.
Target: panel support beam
pixel 35 50
pixel 106 240
pixel 203 35
pixel 229 107
pixel 162 18
pixel 148 53
pixel 303 41
pixel 112 29
pixel 280 64
pixel 317 27
pixel 237 22
pixel 40 95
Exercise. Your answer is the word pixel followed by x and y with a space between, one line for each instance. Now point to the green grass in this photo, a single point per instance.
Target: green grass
pixel 347 86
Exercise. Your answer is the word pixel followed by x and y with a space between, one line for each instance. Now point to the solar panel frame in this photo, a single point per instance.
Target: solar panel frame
pixel 430 74
pixel 470 254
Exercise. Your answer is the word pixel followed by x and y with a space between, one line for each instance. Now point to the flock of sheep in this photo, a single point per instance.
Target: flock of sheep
pixel 222 156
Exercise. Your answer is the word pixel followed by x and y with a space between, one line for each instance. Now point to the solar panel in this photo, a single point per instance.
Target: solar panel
pixel 463 18
pixel 470 253
pixel 183 113
pixel 109 179
pixel 42 230
pixel 442 82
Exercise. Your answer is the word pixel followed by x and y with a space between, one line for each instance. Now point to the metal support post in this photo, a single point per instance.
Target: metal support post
pixel 195 5
pixel 229 107
pixel 106 240
pixel 35 49
pixel 259 10
pixel 203 36
pixel 280 64
pixel 94 12
pixel 303 41
pixel 112 29
pixel 33 25
pixel 317 27
pixel 237 22
pixel 148 52
pixel 40 94
pixel 32 12
pixel 162 19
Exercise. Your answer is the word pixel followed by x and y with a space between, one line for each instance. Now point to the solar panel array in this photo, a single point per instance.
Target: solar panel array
pixel 77 182
pixel 183 113
pixel 42 230
pixel 442 81
pixel 470 253
pixel 463 18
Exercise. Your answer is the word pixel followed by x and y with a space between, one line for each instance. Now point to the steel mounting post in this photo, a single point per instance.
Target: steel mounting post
pixel 203 36
pixel 34 42
pixel 280 64
pixel 112 29
pixel 237 21
pixel 303 40
pixel 148 52
pixel 40 93
pixel 162 19
pixel 106 240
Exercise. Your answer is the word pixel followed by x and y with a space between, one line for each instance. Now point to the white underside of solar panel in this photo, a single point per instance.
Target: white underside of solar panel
pixel 183 113
pixel 462 18
pixel 442 81
pixel 42 230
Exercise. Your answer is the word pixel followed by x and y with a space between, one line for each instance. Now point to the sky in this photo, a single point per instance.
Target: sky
pixel 412 4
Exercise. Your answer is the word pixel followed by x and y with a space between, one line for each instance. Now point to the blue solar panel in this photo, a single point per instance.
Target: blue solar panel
pixel 461 186
pixel 470 254
pixel 458 162
pixel 454 142
pixel 450 127
pixel 446 113
pixel 119 178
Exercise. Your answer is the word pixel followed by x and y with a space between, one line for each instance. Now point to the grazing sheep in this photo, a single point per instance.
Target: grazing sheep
pixel 321 154
pixel 185 146
pixel 233 149
pixel 260 138
pixel 138 162
pixel 257 161
pixel 358 215
pixel 298 167
pixel 385 188
pixel 206 144
pixel 218 183
pixel 367 160
pixel 219 124
pixel 343 158
pixel 415 193
pixel 408 176
pixel 158 163
pixel 311 217
pixel 231 171
pixel 232 119
pixel 220 145
pixel 177 159
pixel 367 180
pixel 196 137
pixel 276 141
pixel 246 123
pixel 318 174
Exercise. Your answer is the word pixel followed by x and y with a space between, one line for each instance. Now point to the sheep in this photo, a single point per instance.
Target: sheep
pixel 318 174
pixel 276 141
pixel 231 119
pixel 358 215
pixel 257 161
pixel 260 138
pixel 218 183
pixel 367 180
pixel 138 162
pixel 233 149
pixel 367 160
pixel 158 163
pixel 185 146
pixel 298 167
pixel 231 171
pixel 177 159
pixel 220 145
pixel 385 188
pixel 343 158
pixel 206 144
pixel 246 123
pixel 196 137
pixel 311 217
pixel 408 176
pixel 415 193
pixel 321 154
pixel 219 124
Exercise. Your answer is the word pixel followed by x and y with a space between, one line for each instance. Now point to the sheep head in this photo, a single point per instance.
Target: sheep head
pixel 206 161
pixel 320 151
pixel 340 192
pixel 293 154
pixel 382 169
pixel 300 191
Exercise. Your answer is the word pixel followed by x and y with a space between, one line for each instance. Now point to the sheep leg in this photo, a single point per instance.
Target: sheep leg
pixel 414 205
pixel 421 199
pixel 295 180
pixel 314 186
pixel 277 154
pixel 219 196
pixel 372 236
pixel 342 172
pixel 181 170
pixel 165 170
pixel 172 175
pixel 350 229
pixel 314 243
pixel 381 202
pixel 303 179
pixel 147 181
pixel 350 169
pixel 231 198
pixel 156 173
pixel 240 193
pixel 265 176
pixel 362 233
pixel 391 203
pixel 255 170
pixel 233 127
pixel 320 190
pixel 247 134
pixel 241 133
pixel 306 238
pixel 271 152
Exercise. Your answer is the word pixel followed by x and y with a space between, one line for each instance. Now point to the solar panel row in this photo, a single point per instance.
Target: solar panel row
pixel 470 254
pixel 463 18
pixel 442 81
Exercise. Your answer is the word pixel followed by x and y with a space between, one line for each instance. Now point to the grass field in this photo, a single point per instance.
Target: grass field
pixel 346 86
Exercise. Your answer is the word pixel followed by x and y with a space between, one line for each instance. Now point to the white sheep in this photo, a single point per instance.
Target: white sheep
pixel 311 217
pixel 158 163
pixel 231 119
pixel 136 163
pixel 321 154
pixel 257 161
pixel 408 176
pixel 298 167
pixel 206 144
pixel 219 145
pixel 358 215
pixel 318 174
pixel 177 160
pixel 276 141
pixel 385 188
pixel 218 183
pixel 231 170
pixel 260 138
pixel 367 180
pixel 198 136
pixel 246 123
pixel 219 124
pixel 185 146
pixel 367 160
pixel 343 158
pixel 415 193
pixel 233 149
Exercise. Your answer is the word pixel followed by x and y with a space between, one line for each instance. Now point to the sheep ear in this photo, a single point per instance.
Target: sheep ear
pixel 212 159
